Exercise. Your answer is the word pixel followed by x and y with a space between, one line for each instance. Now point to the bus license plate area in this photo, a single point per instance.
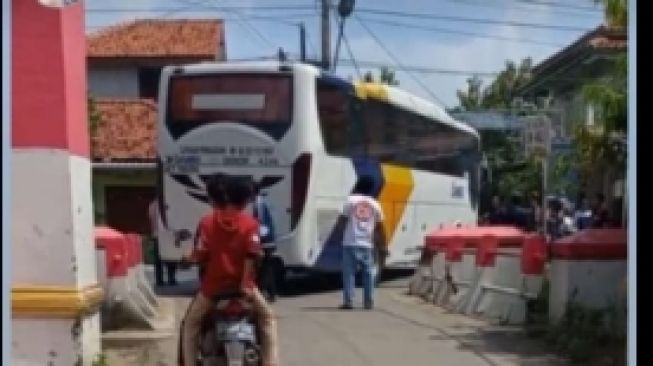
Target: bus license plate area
pixel 185 164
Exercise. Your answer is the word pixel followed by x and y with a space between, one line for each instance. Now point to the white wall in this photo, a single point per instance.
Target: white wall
pixel 113 81
pixel 52 218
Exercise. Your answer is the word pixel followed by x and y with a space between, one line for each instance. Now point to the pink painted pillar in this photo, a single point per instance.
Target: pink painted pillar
pixel 55 295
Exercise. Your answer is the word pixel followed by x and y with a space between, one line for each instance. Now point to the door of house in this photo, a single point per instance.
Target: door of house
pixel 126 208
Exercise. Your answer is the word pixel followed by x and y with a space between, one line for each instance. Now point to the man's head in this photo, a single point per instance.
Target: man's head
pixel 215 188
pixel 239 192
pixel 364 186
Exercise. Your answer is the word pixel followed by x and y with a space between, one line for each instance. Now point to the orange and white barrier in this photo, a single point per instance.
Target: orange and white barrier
pixel 125 298
pixel 487 271
pixel 587 268
pixel 138 267
pixel 509 273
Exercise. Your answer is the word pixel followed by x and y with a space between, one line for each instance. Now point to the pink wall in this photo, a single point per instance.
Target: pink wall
pixel 49 77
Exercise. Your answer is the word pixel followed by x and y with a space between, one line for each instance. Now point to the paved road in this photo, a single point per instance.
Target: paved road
pixel 400 331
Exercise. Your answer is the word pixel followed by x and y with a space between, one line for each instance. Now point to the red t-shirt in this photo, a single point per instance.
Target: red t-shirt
pixel 227 239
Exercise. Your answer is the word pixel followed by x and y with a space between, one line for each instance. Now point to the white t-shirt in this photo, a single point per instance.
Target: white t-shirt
pixel 363 213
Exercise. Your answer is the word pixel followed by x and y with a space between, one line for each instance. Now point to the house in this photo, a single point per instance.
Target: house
pixel 124 66
pixel 556 83
pixel 556 87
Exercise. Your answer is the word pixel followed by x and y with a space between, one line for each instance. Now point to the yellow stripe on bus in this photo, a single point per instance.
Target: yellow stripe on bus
pixel 376 91
pixel 397 187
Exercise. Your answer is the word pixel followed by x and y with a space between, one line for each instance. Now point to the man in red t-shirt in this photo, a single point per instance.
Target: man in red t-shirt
pixel 228 245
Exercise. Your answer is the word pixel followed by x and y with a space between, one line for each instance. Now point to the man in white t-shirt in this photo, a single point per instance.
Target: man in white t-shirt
pixel 362 220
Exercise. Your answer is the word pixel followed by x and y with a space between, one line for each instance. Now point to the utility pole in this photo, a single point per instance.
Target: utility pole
pixel 302 42
pixel 326 35
pixel 345 8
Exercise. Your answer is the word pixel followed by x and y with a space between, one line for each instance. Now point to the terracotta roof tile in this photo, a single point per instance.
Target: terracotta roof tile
pixel 601 38
pixel 127 130
pixel 201 38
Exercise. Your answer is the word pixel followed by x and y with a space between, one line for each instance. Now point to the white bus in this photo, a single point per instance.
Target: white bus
pixel 305 136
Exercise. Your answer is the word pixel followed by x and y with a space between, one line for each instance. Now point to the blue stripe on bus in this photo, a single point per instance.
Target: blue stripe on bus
pixel 337 82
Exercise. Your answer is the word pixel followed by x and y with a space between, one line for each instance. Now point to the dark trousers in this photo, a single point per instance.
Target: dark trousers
pixel 171 267
pixel 267 278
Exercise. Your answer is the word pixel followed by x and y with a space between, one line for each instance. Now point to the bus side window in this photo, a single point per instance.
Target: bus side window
pixel 356 130
pixel 342 130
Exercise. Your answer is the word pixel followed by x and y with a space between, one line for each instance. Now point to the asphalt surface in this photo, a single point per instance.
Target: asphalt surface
pixel 401 330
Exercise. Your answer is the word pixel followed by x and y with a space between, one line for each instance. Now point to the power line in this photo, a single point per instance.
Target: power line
pixel 420 69
pixel 451 31
pixel 558 5
pixel 284 21
pixel 216 7
pixel 396 60
pixel 524 7
pixel 351 54
pixel 238 15
pixel 310 42
pixel 470 20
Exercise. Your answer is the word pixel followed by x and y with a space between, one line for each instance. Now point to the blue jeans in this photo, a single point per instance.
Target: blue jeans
pixel 353 259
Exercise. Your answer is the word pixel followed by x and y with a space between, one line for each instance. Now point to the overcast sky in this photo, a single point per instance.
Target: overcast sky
pixel 460 44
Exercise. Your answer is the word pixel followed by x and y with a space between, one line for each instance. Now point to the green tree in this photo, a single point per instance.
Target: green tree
pixel 386 76
pixel 501 92
pixel 615 12
pixel 470 100
pixel 603 144
pixel 513 174
pixel 94 116
pixel 600 148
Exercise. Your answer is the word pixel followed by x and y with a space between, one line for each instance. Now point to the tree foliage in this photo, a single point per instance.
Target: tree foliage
pixel 615 12
pixel 386 76
pixel 603 144
pixel 94 116
pixel 500 93
pixel 512 173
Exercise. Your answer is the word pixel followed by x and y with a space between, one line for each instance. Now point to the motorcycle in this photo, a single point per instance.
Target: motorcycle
pixel 229 335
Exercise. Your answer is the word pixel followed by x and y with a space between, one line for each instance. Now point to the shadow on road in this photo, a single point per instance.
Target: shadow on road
pixel 318 283
pixel 296 285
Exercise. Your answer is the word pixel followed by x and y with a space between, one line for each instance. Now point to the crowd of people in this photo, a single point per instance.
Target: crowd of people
pixel 561 217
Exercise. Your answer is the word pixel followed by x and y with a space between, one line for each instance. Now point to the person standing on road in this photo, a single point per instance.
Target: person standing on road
pixel 362 221
pixel 171 267
pixel 267 273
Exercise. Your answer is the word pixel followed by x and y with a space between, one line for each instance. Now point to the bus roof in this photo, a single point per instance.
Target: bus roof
pixel 403 99
pixel 364 90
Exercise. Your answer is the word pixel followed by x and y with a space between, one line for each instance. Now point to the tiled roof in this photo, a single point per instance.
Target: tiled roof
pixel 601 38
pixel 127 130
pixel 187 38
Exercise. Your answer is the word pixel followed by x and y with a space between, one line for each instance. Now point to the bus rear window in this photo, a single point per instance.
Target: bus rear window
pixel 263 101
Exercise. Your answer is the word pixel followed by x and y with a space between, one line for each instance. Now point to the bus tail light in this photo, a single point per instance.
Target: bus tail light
pixel 301 171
